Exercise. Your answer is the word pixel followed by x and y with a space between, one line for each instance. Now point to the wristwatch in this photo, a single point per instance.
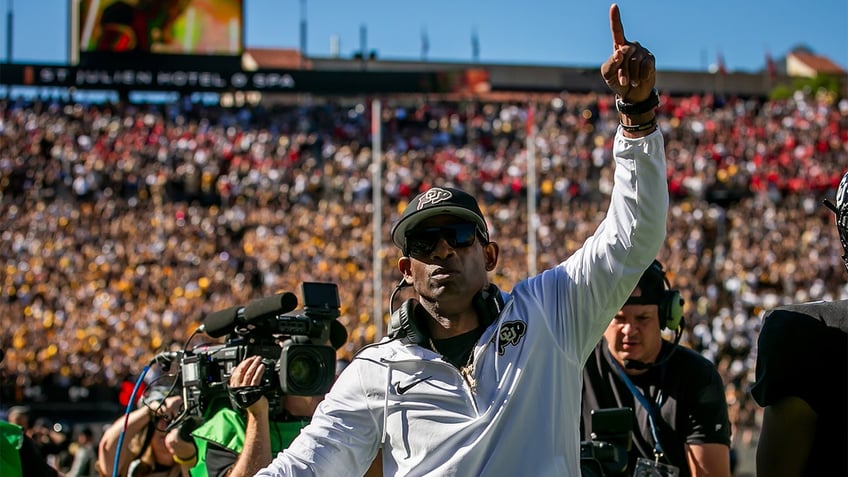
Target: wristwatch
pixel 638 108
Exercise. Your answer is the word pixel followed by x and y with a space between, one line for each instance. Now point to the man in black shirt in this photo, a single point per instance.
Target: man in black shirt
pixel 677 396
pixel 802 381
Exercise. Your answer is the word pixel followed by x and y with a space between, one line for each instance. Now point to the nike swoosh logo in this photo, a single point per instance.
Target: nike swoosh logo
pixel 402 389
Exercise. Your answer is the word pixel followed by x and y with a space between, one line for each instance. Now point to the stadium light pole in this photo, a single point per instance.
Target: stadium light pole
pixel 475 45
pixel 532 188
pixel 302 32
pixel 9 23
pixel 377 216
pixel 363 44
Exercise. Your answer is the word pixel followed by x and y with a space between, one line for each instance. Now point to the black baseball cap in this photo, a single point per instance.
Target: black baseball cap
pixel 652 285
pixel 438 201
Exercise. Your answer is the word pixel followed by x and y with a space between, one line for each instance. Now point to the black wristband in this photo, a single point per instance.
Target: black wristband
pixel 243 397
pixel 641 107
pixel 649 126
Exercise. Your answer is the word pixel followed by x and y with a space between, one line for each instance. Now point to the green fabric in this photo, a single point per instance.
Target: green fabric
pixel 226 428
pixel 11 438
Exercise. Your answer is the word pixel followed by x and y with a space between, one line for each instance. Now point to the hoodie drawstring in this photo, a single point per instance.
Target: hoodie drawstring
pixel 386 402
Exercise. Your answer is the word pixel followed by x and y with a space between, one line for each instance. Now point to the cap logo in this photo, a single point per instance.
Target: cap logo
pixel 433 197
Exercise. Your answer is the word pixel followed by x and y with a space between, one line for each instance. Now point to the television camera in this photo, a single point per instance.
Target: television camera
pixel 607 453
pixel 292 344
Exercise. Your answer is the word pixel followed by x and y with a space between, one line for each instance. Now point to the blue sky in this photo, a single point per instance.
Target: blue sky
pixel 683 34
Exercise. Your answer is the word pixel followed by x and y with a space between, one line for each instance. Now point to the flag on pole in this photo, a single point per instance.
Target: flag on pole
pixel 475 45
pixel 720 68
pixel 531 120
pixel 771 67
pixel 425 44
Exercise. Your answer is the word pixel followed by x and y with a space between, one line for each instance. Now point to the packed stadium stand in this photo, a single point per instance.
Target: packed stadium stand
pixel 124 225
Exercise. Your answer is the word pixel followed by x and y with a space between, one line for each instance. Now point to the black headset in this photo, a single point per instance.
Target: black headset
pixel 405 324
pixel 670 315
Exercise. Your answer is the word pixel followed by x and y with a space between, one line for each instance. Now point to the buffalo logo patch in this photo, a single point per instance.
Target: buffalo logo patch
pixel 510 333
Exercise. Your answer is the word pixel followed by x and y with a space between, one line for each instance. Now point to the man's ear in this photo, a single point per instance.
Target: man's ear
pixel 404 265
pixel 491 251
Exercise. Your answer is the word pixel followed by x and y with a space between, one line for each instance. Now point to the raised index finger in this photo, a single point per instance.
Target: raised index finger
pixel 616 27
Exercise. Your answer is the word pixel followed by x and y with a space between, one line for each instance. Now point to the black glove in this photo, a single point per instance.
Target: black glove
pixel 243 397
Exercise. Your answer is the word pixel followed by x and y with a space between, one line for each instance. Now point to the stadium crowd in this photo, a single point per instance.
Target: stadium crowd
pixel 124 225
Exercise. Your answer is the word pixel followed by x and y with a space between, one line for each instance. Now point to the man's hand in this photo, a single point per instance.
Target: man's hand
pixel 169 408
pixel 256 452
pixel 630 72
pixel 183 450
pixel 249 373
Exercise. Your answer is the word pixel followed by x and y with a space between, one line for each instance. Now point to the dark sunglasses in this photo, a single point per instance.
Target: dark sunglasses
pixel 424 240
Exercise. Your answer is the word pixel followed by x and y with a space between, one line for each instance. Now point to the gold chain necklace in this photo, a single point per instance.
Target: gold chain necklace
pixel 467 371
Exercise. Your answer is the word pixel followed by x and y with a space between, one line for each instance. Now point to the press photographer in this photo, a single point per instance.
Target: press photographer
pixel 257 390
pixel 680 426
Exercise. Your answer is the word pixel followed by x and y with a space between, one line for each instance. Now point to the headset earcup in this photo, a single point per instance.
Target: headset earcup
pixel 488 304
pixel 671 309
pixel 403 324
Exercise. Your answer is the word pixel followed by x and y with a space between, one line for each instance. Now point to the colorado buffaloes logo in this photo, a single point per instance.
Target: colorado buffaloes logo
pixel 433 197
pixel 510 333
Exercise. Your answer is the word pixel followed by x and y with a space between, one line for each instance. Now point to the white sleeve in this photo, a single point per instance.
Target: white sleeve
pixel 341 439
pixel 582 294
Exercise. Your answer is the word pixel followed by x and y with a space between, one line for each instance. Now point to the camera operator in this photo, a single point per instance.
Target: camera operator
pixel 240 442
pixel 154 450
pixel 252 394
pixel 676 394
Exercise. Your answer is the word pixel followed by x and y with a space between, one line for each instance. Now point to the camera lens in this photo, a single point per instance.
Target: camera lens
pixel 303 369
pixel 307 370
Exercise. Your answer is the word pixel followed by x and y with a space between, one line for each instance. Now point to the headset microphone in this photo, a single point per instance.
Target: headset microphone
pixel 639 365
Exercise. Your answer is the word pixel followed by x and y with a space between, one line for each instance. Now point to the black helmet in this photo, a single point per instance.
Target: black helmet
pixel 841 211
